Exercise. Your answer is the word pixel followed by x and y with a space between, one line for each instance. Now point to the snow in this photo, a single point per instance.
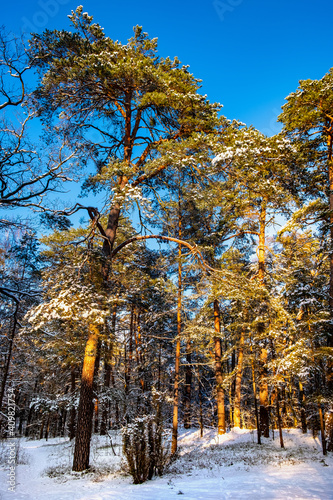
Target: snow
pixel 211 468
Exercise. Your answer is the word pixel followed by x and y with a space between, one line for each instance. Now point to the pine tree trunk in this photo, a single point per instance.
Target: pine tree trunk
pixel 255 396
pixel 329 374
pixel 263 388
pixel 47 427
pixel 9 355
pixel 200 408
pixel 86 406
pixel 41 432
pixel 238 384
pixel 263 395
pixel 279 417
pixel 174 441
pixel 232 385
pixel 330 181
pixel 329 427
pixel 302 402
pixel 322 429
pixel 218 371
pixel 188 383
pixel 95 389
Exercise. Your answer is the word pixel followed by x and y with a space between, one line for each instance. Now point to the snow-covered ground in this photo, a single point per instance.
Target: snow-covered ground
pixel 232 466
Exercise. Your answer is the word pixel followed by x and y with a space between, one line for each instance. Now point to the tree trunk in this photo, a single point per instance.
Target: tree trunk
pixel 95 389
pixel 41 432
pixel 255 396
pixel 200 407
pixel 218 371
pixel 322 429
pixel 279 417
pixel 238 384
pixel 188 383
pixel 177 358
pixel 47 427
pixel 263 395
pixel 263 389
pixel 86 406
pixel 329 374
pixel 302 402
pixel 330 181
pixel 9 355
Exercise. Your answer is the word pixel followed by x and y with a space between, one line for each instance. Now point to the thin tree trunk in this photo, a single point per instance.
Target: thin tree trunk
pixel 255 396
pixel 200 407
pixel 86 407
pixel 41 432
pixel 263 389
pixel 322 429
pixel 238 384
pixel 263 395
pixel 188 383
pixel 10 350
pixel 47 427
pixel 329 375
pixel 279 417
pixel 218 371
pixel 177 358
pixel 96 406
pixel 330 181
pixel 303 415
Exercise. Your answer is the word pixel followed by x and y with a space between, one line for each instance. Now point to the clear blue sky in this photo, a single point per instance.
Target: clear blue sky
pixel 250 54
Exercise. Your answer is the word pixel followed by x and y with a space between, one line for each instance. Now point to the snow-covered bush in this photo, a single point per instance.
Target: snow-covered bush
pixel 143 448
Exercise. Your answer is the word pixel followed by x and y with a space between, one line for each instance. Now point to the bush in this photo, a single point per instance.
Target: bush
pixel 143 448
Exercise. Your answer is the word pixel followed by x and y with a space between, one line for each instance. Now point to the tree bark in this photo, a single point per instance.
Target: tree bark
pixel 86 406
pixel 279 417
pixel 188 384
pixel 255 395
pixel 263 388
pixel 174 441
pixel 10 350
pixel 329 374
pixel 330 181
pixel 238 384
pixel 218 371
pixel 322 429
pixel 263 395
pixel 302 402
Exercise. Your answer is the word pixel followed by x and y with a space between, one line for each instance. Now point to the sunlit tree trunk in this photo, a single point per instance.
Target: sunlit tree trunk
pixel 302 402
pixel 263 395
pixel 322 429
pixel 177 357
pixel 238 384
pixel 218 371
pixel 278 414
pixel 188 384
pixel 107 373
pixel 86 406
pixel 263 387
pixel 329 375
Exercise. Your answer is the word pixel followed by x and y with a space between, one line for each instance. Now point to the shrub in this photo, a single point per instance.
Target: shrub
pixel 143 448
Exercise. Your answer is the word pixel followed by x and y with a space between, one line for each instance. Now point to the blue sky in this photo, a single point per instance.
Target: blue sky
pixel 250 54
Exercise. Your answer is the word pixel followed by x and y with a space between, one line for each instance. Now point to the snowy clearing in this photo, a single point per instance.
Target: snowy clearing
pixel 211 468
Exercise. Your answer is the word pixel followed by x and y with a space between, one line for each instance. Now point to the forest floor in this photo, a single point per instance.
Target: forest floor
pixel 232 466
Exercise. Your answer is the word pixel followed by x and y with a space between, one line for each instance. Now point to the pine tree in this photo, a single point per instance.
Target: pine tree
pixel 307 118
